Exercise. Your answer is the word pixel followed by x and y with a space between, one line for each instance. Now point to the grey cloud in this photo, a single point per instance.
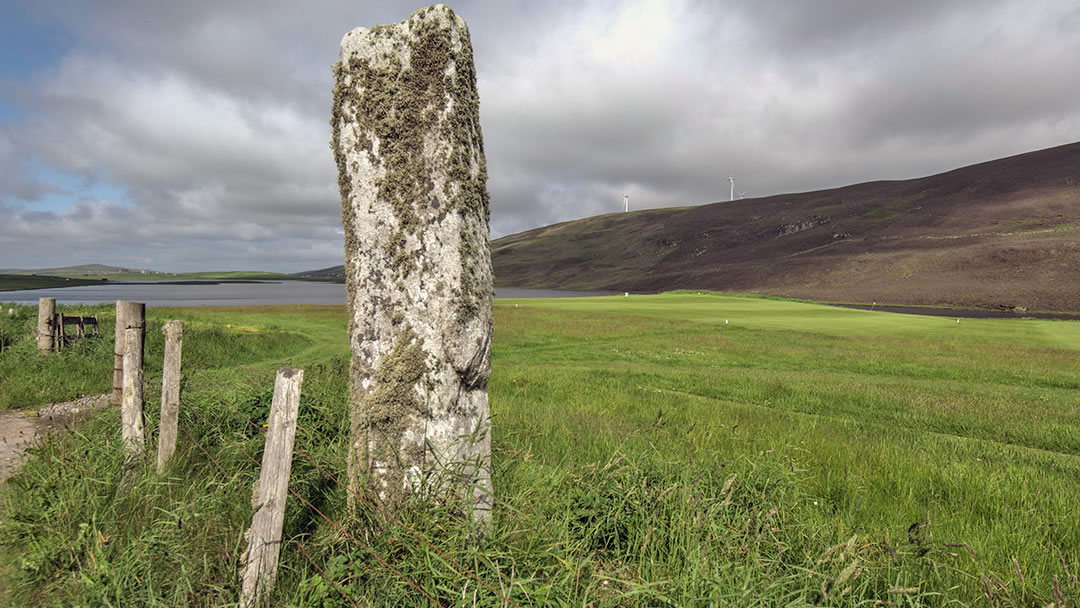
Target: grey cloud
pixel 213 117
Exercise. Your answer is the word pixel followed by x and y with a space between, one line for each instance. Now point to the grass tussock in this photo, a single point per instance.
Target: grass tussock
pixel 641 458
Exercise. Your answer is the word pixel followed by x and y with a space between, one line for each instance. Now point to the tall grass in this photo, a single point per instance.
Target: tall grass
pixel 644 454
pixel 29 379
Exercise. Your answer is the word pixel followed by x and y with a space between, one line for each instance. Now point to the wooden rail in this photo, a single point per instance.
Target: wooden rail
pixel 85 325
pixel 52 333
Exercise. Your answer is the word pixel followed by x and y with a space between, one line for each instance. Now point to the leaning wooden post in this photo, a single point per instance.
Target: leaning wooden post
pixel 59 338
pixel 133 421
pixel 414 205
pixel 46 330
pixel 128 314
pixel 170 392
pixel 264 536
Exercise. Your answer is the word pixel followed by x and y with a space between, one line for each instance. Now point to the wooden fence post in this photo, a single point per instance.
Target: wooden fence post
pixel 59 337
pixel 133 423
pixel 46 332
pixel 170 392
pixel 264 536
pixel 128 314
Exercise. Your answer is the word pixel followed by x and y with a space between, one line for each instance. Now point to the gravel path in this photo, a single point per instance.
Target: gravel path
pixel 19 431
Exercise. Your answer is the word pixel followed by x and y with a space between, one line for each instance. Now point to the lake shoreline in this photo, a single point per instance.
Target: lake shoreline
pixel 227 292
pixel 271 292
pixel 964 313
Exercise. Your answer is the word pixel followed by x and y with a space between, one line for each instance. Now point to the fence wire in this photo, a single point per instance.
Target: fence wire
pixel 365 500
pixel 329 520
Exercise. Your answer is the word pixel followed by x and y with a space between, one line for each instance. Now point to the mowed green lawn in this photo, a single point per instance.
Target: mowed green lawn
pixel 948 449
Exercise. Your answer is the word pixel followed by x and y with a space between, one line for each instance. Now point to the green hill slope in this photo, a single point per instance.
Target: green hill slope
pixel 72 271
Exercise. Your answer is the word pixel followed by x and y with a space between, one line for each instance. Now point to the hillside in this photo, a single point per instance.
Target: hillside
pixel 117 273
pixel 13 282
pixel 1000 234
pixel 333 274
pixel 74 271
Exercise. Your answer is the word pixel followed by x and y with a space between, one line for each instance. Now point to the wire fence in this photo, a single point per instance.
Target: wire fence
pixel 244 395
pixel 248 382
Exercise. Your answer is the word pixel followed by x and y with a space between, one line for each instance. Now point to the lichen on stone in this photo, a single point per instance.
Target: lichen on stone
pixel 416 210
pixel 392 405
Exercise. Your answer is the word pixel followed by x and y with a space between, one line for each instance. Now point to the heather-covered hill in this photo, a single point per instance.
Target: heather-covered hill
pixel 1004 233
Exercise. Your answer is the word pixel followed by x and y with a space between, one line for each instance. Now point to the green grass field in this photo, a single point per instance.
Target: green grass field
pixel 13 282
pixel 677 450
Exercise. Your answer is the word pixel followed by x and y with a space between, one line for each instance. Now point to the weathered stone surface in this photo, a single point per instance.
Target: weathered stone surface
pixel 414 203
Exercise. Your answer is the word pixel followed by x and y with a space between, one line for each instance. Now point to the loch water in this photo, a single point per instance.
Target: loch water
pixel 227 293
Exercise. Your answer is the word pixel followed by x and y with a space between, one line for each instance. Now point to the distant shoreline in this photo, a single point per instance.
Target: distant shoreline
pixel 19 282
pixel 28 283
pixel 11 282
pixel 964 313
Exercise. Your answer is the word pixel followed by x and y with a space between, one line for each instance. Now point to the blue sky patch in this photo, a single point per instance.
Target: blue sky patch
pixel 71 188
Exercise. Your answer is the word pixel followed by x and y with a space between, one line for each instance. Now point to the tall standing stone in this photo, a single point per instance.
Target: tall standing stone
pixel 414 204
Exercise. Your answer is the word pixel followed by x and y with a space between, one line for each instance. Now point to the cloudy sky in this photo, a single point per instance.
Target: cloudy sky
pixel 194 135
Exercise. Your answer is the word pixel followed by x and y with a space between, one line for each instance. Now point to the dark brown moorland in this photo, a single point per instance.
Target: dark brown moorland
pixel 1003 234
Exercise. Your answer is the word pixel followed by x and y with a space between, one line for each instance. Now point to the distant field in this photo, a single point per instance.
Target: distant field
pixel 181 276
pixel 776 314
pixel 13 282
pixel 670 450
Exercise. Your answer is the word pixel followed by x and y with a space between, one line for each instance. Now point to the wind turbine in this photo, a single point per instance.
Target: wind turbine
pixel 732 180
pixel 626 203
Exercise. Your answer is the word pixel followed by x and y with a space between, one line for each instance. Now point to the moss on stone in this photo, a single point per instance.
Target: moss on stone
pixel 344 98
pixel 462 129
pixel 396 105
pixel 401 260
pixel 392 405
pixel 392 96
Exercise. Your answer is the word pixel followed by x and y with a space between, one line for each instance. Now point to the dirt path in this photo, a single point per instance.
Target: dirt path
pixel 19 430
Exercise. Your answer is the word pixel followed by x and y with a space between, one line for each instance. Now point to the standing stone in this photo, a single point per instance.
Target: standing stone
pixel 414 204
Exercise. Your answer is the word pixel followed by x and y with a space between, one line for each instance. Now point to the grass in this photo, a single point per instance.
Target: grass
pixel 13 282
pixel 678 450
pixel 29 380
pixel 894 209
